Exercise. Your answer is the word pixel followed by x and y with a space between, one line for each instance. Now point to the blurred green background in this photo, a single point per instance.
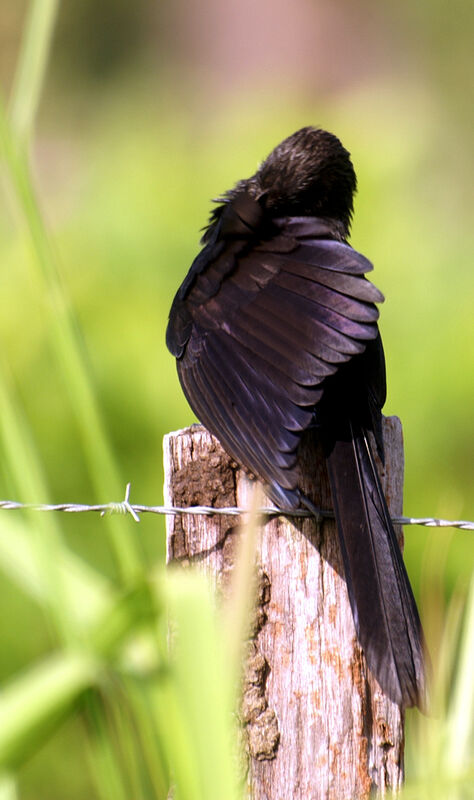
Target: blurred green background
pixel 148 112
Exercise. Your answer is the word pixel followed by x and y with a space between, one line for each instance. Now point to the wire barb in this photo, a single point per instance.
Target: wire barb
pixel 125 507
pixel 122 508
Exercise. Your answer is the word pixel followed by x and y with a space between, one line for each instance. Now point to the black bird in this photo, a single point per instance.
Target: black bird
pixel 275 330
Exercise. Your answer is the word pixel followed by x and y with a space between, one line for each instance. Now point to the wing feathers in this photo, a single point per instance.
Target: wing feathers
pixel 259 325
pixel 354 286
pixel 302 332
pixel 330 299
pixel 263 377
pixel 301 312
pixel 333 255
pixel 241 427
pixel 276 348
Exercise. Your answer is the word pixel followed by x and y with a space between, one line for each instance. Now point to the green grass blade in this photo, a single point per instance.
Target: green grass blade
pixel 442 752
pixel 8 789
pixel 104 764
pixel 238 610
pixel 131 612
pixel 141 694
pixel 204 690
pixel 32 705
pixel 460 749
pixel 32 66
pixel 45 539
pixel 79 579
pixel 69 352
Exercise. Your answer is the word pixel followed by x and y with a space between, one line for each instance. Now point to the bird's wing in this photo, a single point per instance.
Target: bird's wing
pixel 265 314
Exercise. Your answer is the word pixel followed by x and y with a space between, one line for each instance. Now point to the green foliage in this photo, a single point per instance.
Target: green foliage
pixel 93 701
pixel 441 759
pixel 102 635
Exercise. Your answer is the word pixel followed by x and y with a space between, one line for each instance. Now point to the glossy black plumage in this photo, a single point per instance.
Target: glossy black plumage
pixel 275 329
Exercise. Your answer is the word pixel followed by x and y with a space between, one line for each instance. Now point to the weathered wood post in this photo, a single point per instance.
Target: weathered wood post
pixel 318 725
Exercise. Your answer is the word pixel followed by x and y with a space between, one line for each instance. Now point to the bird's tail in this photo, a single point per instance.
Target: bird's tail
pixel 383 606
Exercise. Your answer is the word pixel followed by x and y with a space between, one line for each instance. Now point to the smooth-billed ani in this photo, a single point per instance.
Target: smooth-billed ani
pixel 275 330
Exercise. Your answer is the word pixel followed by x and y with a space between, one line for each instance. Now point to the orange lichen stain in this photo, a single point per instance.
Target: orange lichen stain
pixel 332 613
pixel 333 659
pixel 303 561
pixel 309 635
pixel 285 659
pixel 363 768
pixel 335 765
pixel 312 645
pixel 316 699
pixel 278 630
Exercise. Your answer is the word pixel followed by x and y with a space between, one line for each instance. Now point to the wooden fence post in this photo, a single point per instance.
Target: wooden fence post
pixel 318 725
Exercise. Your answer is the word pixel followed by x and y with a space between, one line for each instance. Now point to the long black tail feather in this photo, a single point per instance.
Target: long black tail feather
pixel 382 602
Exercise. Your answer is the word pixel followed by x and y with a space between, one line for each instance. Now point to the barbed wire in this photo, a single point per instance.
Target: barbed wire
pixel 125 507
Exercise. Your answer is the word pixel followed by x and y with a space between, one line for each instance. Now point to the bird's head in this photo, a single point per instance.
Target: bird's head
pixel 308 174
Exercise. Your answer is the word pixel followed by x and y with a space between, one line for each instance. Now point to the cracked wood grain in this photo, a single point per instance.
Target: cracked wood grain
pixel 318 725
